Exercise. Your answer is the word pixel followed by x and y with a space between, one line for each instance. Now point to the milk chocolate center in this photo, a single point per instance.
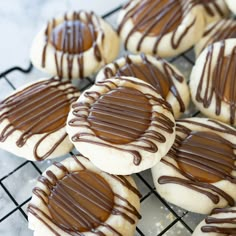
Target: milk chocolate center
pixel 205 156
pixel 81 201
pixel 157 17
pixel 73 37
pixel 149 74
pixel 121 115
pixel 39 109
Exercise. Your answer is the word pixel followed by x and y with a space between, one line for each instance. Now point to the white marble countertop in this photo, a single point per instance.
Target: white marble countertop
pixel 21 20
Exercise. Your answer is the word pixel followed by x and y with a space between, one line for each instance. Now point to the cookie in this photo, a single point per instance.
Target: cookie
pixel 74 45
pixel 212 81
pixel 214 10
pixel 75 198
pixel 163 76
pixel 220 222
pixel 165 27
pixel 217 31
pixel 122 125
pixel 33 119
pixel 200 166
pixel 231 5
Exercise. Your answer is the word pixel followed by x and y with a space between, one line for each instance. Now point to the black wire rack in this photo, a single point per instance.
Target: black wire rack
pixel 159 217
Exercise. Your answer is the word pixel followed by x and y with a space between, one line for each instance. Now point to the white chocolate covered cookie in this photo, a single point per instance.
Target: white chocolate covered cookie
pixel 198 173
pixel 75 198
pixel 212 81
pixel 122 125
pixel 74 45
pixel 33 119
pixel 217 31
pixel 220 222
pixel 165 28
pixel 164 77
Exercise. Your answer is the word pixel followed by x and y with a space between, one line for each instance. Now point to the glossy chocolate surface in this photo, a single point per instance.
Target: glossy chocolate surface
pixel 41 108
pixel 162 80
pixel 81 201
pixel 70 38
pixel 38 106
pixel 152 17
pixel 157 19
pixel 120 116
pixel 203 158
pixel 78 196
pixel 73 37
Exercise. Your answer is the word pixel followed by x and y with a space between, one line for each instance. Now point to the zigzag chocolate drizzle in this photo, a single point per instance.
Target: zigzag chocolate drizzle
pixel 214 224
pixel 81 201
pixel 163 82
pixel 220 84
pixel 70 39
pixel 157 18
pixel 203 158
pixel 122 116
pixel 41 108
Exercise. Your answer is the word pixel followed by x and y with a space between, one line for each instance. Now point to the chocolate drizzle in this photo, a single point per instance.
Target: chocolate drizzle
pixel 156 19
pixel 107 120
pixel 41 108
pixel 220 81
pixel 161 80
pixel 122 115
pixel 205 155
pixel 70 38
pixel 212 8
pixel 220 30
pixel 76 192
pixel 203 158
pixel 218 221
pixel 81 201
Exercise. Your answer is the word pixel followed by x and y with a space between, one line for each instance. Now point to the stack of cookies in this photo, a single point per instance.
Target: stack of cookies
pixel 130 119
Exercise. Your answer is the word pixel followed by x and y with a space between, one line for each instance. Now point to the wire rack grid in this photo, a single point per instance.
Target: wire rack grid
pixel 18 176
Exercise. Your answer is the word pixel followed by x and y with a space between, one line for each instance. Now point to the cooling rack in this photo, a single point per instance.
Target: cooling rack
pixel 18 177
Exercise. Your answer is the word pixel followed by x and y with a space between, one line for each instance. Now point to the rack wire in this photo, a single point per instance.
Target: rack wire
pixel 159 217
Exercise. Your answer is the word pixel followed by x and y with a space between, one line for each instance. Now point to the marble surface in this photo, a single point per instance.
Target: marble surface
pixel 20 21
